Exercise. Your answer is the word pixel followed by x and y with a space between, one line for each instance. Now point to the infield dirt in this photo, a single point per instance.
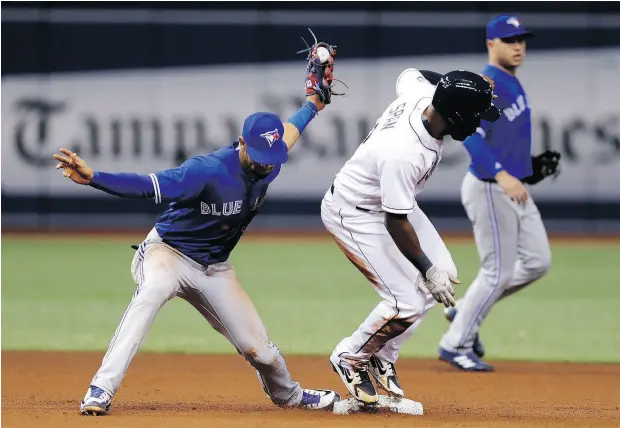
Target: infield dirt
pixel 44 389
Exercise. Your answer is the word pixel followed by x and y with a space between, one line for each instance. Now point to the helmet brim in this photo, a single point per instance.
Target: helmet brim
pixel 491 115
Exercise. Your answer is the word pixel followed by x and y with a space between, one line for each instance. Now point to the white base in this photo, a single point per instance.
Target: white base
pixel 385 404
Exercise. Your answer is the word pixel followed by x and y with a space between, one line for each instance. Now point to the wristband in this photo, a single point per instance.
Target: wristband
pixel 303 116
pixel 422 263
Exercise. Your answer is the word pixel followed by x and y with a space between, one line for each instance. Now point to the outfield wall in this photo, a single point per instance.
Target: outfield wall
pixel 143 89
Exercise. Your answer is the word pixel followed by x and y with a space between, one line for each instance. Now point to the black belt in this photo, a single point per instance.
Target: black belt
pixel 357 208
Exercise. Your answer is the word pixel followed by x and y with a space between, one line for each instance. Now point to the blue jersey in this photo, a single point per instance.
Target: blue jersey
pixel 214 200
pixel 509 139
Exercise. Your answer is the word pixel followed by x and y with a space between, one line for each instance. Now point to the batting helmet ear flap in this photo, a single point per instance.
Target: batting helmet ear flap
pixel 460 131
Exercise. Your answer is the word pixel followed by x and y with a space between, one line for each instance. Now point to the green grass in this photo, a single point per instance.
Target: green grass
pixel 69 294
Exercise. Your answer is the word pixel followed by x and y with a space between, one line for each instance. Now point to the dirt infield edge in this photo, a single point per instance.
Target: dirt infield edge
pixel 278 234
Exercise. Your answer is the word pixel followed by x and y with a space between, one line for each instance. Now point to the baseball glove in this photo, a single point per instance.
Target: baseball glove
pixel 320 78
pixel 543 166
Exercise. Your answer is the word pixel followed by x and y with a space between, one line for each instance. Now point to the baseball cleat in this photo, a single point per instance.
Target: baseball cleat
pixel 96 402
pixel 468 362
pixel 384 373
pixel 478 348
pixel 357 382
pixel 318 399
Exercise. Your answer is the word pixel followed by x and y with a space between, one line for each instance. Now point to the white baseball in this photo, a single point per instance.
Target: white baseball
pixel 323 54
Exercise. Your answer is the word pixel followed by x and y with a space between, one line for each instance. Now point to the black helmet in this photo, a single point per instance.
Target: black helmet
pixel 464 99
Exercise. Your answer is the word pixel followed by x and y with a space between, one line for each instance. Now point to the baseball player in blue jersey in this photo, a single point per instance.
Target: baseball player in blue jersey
pixel 212 199
pixel 508 229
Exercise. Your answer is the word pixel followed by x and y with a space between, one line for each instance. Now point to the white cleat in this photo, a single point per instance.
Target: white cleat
pixel 318 399
pixel 357 382
pixel 384 373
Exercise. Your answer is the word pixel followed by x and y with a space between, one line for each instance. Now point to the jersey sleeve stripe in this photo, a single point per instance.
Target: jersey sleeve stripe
pixel 156 188
pixel 398 210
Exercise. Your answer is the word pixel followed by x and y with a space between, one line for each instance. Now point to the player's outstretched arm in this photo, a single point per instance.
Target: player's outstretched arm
pixel 176 184
pixel 319 79
pixel 296 124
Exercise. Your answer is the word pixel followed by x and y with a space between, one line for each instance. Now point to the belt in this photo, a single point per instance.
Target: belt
pixel 357 208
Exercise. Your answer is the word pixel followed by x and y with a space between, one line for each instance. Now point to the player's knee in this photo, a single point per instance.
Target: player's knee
pixel 539 266
pixel 545 265
pixel 497 278
pixel 156 291
pixel 148 299
pixel 262 356
pixel 407 309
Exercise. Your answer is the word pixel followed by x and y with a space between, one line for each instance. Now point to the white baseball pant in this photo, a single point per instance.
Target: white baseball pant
pixel 364 239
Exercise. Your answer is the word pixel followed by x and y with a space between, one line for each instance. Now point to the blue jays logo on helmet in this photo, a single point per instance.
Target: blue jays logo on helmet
pixel 271 136
pixel 506 26
pixel 263 134
pixel 513 21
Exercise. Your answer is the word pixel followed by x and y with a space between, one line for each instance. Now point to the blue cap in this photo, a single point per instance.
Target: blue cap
pixel 262 133
pixel 504 26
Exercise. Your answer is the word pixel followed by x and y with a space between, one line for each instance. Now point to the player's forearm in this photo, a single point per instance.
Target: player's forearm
pixel 295 125
pixel 481 155
pixel 291 135
pixel 405 238
pixel 125 185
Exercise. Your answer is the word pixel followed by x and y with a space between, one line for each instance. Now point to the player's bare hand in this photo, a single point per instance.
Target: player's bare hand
pixel 439 284
pixel 74 167
pixel 512 186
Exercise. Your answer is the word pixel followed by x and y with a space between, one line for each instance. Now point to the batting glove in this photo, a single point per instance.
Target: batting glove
pixel 439 284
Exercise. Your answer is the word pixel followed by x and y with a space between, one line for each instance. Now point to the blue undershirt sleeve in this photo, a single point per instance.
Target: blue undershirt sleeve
pixel 177 184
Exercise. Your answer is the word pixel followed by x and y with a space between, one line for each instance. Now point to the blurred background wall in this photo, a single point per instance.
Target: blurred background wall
pixel 142 86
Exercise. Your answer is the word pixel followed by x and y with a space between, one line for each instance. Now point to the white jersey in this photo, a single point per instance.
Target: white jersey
pixel 397 157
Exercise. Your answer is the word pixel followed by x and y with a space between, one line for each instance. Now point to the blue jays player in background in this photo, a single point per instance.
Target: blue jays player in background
pixel 508 229
pixel 212 199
